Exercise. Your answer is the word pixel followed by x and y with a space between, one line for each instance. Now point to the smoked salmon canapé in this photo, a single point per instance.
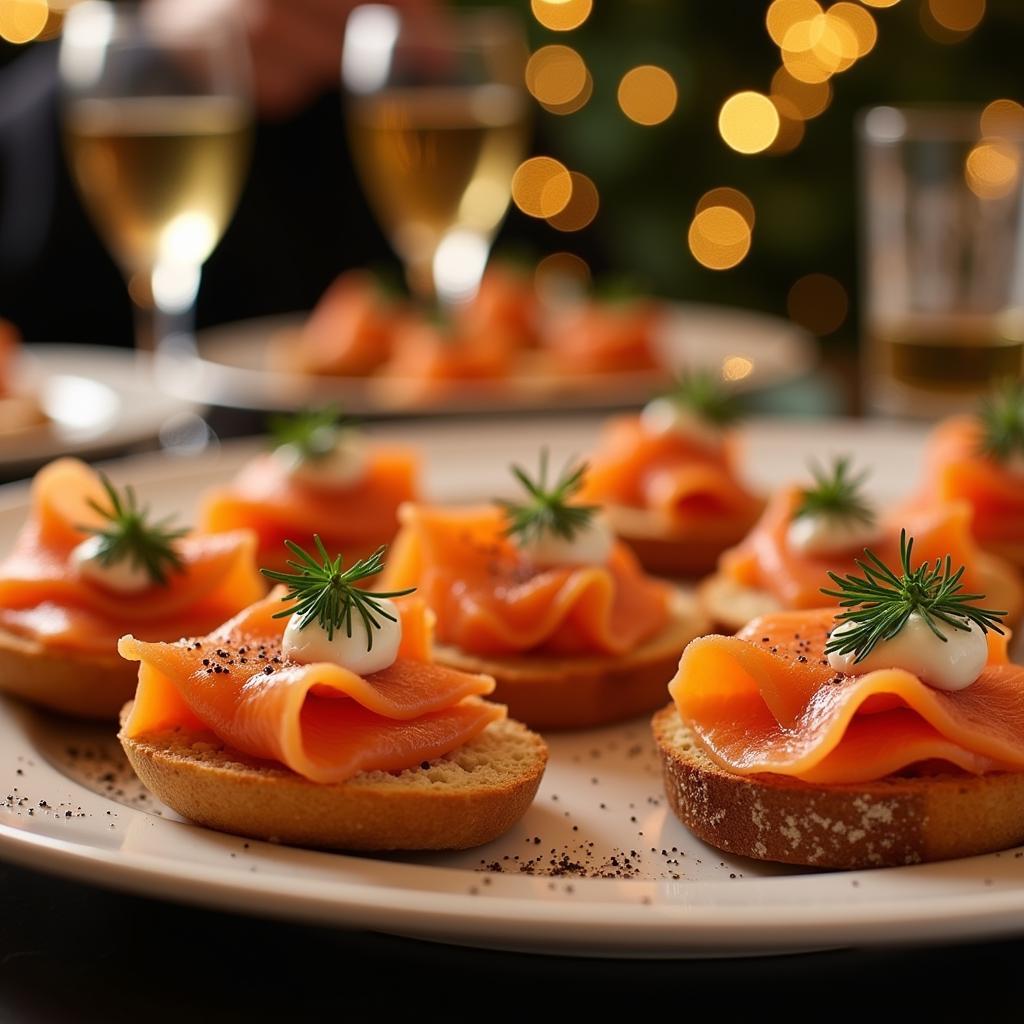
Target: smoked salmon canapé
pixel 537 593
pixel 807 531
pixel 316 717
pixel 668 479
pixel 979 460
pixel 888 731
pixel 90 564
pixel 321 476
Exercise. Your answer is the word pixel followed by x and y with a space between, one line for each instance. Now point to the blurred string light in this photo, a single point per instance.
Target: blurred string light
pixel 736 367
pixel 648 94
pixel 719 237
pixel 818 302
pixel 748 122
pixel 808 99
pixel 791 127
pixel 556 75
pixel 582 206
pixel 950 21
pixel 880 3
pixel 578 102
pixel 731 197
pixel 541 187
pixel 1002 117
pixel 992 169
pixel 21 21
pixel 561 15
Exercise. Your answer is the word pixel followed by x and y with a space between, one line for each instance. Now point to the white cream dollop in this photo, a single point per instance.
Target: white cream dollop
pixel 125 576
pixel 952 664
pixel 312 644
pixel 823 534
pixel 666 416
pixel 590 545
pixel 341 465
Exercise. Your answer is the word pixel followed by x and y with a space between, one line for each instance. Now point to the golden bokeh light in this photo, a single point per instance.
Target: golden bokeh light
pixel 736 367
pixel 860 22
pixel 960 16
pixel 748 122
pixel 1003 117
pixel 561 276
pixel 21 21
pixel 556 75
pixel 719 237
pixel 804 54
pixel 582 206
pixel 784 14
pixel 880 3
pixel 577 103
pixel 791 127
pixel 648 94
pixel 807 99
pixel 541 186
pixel 730 197
pixel 992 169
pixel 561 15
pixel 818 302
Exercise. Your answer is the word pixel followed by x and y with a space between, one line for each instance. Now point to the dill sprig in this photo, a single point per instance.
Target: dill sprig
pixel 836 493
pixel 547 509
pixel 880 602
pixel 127 534
pixel 1001 416
pixel 313 434
pixel 703 393
pixel 325 593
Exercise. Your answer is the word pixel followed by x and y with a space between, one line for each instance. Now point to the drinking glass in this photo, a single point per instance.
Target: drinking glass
pixel 157 129
pixel 437 118
pixel 943 258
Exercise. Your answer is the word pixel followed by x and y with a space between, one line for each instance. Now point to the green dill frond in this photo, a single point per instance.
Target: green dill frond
pixel 880 602
pixel 312 434
pixel 836 493
pixel 323 592
pixel 704 393
pixel 1001 416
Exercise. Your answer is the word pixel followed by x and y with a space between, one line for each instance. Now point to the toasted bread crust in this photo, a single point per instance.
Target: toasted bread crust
pixel 897 820
pixel 550 693
pixel 463 800
pixel 83 685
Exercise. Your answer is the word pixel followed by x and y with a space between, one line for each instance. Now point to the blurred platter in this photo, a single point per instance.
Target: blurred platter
pixel 598 866
pixel 92 400
pixel 231 366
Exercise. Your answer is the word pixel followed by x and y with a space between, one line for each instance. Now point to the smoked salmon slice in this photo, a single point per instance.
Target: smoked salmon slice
pixel 320 720
pixel 766 700
pixel 488 602
pixel 42 598
pixel 358 519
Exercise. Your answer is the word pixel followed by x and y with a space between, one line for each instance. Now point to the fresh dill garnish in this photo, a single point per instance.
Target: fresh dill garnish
pixel 547 509
pixel 313 434
pixel 836 493
pixel 325 593
pixel 703 392
pixel 128 535
pixel 880 602
pixel 1001 416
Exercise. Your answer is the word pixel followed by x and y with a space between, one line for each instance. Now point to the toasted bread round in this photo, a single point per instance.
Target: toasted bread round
pixel 582 692
pixel 730 605
pixel 901 819
pixel 467 798
pixel 84 685
pixel 675 551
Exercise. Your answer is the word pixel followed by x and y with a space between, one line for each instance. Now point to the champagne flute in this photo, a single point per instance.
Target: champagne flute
pixel 157 128
pixel 438 123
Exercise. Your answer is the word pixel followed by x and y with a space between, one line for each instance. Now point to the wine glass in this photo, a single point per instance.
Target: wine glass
pixel 157 128
pixel 438 123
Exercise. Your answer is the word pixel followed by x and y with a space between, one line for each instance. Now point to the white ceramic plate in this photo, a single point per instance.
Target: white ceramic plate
pixel 96 399
pixel 229 366
pixel 67 803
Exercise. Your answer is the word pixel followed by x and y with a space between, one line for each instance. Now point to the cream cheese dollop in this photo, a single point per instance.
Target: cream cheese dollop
pixel 341 465
pixel 125 576
pixel 665 416
pixel 953 664
pixel 822 534
pixel 591 544
pixel 312 644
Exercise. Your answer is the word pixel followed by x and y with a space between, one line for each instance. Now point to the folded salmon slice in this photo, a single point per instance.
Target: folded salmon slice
pixel 356 519
pixel 488 602
pixel 687 483
pixel 764 561
pixel 42 598
pixel 320 720
pixel 766 700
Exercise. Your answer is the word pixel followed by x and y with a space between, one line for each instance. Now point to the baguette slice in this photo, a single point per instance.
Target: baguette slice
pixel 730 605
pixel 901 819
pixel 549 693
pixel 467 798
pixel 84 685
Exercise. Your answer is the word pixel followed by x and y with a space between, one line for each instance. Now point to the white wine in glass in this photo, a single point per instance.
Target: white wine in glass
pixel 438 123
pixel 158 134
